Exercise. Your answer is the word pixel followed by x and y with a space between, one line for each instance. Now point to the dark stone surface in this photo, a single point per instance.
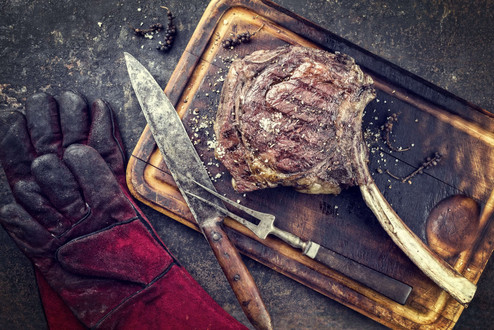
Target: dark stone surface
pixel 55 45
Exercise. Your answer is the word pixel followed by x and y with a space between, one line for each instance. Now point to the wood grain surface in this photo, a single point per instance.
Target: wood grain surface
pixel 429 120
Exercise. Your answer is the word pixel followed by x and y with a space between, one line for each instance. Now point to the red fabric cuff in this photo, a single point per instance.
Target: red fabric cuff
pixel 174 301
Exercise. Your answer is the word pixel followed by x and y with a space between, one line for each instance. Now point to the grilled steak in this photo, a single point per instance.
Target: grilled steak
pixel 292 116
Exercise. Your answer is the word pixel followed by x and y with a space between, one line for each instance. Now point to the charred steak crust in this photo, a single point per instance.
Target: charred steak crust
pixel 292 116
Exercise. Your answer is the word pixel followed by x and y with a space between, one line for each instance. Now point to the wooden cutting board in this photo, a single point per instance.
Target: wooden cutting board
pixel 429 120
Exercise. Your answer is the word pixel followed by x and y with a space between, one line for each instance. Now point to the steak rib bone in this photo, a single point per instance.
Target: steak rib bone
pixel 292 116
pixel 459 287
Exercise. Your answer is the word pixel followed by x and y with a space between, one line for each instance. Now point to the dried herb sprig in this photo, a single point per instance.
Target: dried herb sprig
pixel 429 162
pixel 170 32
pixel 142 32
pixel 387 128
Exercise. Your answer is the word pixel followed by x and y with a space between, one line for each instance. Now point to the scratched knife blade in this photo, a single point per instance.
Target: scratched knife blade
pixel 186 167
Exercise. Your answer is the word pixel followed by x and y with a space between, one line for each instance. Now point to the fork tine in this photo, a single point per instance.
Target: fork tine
pixel 266 220
pixel 253 227
pixel 261 216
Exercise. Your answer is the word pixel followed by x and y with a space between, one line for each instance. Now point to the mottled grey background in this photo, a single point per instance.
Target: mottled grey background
pixel 55 45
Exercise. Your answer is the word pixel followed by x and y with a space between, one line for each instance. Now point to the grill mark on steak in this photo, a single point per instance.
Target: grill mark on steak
pixel 290 116
pixel 290 158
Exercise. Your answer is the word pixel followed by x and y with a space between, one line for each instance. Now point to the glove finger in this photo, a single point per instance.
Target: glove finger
pixel 59 186
pixel 43 124
pixel 16 150
pixel 29 195
pixel 74 118
pixel 98 184
pixel 31 237
pixel 105 137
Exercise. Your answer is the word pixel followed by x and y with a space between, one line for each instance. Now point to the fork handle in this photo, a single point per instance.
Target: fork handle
pixel 289 238
pixel 377 281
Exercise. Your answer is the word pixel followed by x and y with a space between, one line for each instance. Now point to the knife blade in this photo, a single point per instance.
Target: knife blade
pixel 186 168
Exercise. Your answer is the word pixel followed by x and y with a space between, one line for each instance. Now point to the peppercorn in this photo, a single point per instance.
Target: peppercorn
pixel 238 39
pixel 170 32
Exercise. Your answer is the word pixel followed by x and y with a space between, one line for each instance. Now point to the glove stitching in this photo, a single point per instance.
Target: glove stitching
pixel 120 223
pixel 113 131
pixel 152 231
pixel 158 239
pixel 116 308
pixel 84 217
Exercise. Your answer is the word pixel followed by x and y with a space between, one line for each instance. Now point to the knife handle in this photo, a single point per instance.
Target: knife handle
pixel 382 283
pixel 238 275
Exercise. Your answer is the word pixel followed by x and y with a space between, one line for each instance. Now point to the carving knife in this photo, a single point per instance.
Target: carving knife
pixel 186 168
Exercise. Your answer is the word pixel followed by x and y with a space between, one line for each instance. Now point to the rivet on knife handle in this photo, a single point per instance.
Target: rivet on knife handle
pixel 238 276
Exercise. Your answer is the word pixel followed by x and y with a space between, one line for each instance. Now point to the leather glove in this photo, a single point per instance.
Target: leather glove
pixel 75 220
